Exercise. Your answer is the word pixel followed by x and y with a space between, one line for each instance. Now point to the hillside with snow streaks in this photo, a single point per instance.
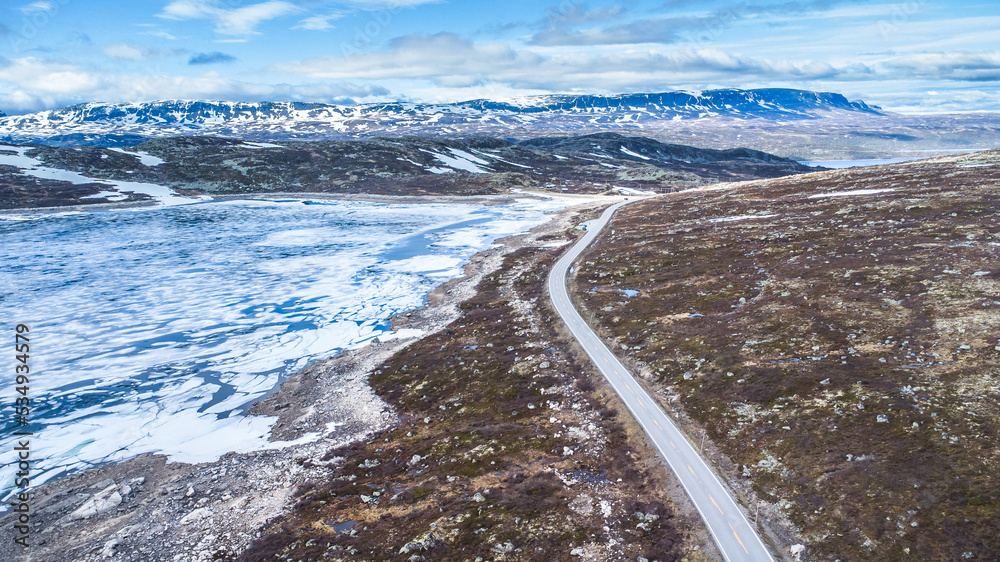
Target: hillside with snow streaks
pixel 208 166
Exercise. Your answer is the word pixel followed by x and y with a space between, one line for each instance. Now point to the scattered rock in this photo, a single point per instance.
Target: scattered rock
pixel 503 547
pixel 196 515
pixel 109 548
pixel 101 502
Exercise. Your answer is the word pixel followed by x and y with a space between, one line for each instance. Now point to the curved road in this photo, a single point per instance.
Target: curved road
pixel 734 535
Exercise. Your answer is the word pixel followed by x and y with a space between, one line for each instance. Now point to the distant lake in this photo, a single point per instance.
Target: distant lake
pixel 922 155
pixel 838 164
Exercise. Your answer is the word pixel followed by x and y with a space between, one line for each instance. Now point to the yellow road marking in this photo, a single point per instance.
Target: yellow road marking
pixel 716 505
pixel 672 445
pixel 692 473
pixel 738 539
pixel 657 424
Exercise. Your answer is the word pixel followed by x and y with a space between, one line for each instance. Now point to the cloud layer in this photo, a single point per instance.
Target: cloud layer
pixel 891 54
pixel 31 84
pixel 228 21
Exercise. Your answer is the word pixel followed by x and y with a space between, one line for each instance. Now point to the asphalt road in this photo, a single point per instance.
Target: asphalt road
pixel 734 535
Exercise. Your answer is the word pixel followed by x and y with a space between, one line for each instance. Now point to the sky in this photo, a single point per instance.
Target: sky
pixel 914 57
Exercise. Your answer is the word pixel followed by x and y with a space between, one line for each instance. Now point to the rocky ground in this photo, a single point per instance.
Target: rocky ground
pixel 835 336
pixel 488 438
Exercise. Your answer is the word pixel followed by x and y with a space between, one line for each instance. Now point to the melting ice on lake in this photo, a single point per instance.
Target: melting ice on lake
pixel 153 329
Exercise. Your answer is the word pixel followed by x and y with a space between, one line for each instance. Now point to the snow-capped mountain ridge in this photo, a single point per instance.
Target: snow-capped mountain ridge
pixel 711 100
pixel 126 123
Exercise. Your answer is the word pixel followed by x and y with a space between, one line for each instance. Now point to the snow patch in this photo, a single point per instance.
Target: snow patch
pixel 460 160
pixel 631 191
pixel 35 168
pixel 110 195
pixel 145 158
pixel 259 145
pixel 849 193
pixel 635 154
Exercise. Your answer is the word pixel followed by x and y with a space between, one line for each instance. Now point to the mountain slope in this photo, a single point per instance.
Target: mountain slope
pixel 127 124
pixel 403 166
pixel 767 102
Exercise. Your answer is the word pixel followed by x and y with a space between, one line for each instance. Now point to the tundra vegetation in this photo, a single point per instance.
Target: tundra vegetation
pixel 836 336
pixel 409 166
pixel 506 449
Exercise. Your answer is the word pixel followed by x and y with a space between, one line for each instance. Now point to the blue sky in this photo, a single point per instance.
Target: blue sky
pixel 919 56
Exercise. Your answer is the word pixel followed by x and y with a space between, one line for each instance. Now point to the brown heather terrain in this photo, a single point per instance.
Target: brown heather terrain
pixel 506 450
pixel 408 166
pixel 841 352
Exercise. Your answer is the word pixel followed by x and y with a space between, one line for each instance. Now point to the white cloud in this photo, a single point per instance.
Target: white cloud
pixel 29 82
pixel 237 21
pixel 452 61
pixel 382 4
pixel 160 33
pixel 318 23
pixel 444 56
pixel 37 7
pixel 974 67
pixel 130 51
pixel 32 84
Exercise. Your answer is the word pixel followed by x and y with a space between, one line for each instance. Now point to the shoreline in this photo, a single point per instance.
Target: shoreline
pixel 174 501
pixel 498 199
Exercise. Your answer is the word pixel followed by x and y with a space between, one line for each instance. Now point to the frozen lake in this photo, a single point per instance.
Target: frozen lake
pixel 153 329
